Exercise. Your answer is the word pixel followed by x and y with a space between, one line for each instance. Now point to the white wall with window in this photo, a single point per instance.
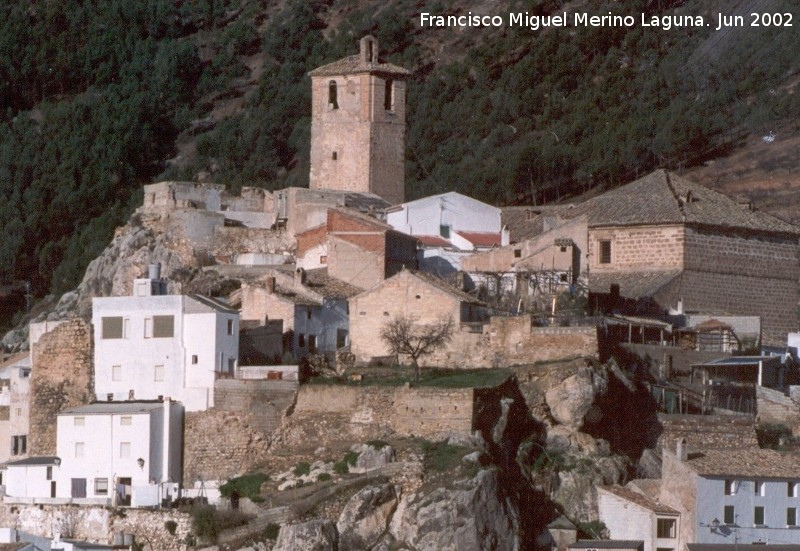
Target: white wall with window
pixel 162 345
pixel 116 452
pixel 31 477
pixel 629 515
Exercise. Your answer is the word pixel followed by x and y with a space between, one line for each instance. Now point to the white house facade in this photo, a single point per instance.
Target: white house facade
pixel 32 477
pixel 153 345
pixel 120 453
pixel 15 389
pixel 629 515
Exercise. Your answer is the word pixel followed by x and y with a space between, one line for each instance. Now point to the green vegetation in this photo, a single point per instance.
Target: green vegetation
pixel 349 460
pixel 773 436
pixel 595 530
pixel 171 526
pixel 302 469
pixel 441 456
pixel 208 521
pixel 435 378
pixel 271 531
pixel 248 486
pixel 323 477
pixel 92 98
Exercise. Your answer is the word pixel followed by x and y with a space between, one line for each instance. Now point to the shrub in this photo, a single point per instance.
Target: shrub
pixel 441 456
pixel 248 486
pixel 271 531
pixel 208 522
pixel 351 458
pixel 171 526
pixel 323 477
pixel 302 469
pixel 341 467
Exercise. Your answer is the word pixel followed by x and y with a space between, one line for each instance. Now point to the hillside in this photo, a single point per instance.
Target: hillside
pixel 96 102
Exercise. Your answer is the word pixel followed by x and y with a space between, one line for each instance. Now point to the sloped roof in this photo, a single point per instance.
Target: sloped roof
pixel 364 202
pixel 433 241
pixel 37 460
pixel 527 221
pixel 640 500
pixel 442 285
pixel 632 284
pixel 607 544
pixel 353 64
pixel 320 282
pixel 196 304
pixel 482 239
pixel 745 462
pixel 663 197
pixel 104 408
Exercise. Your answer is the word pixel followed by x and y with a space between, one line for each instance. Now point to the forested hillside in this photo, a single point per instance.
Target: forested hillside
pixel 100 97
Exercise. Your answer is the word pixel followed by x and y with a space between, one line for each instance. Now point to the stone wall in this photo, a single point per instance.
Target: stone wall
pixel 231 240
pixel 61 377
pixel 220 444
pixel 99 524
pixel 707 431
pixel 775 407
pixel 638 248
pixel 265 400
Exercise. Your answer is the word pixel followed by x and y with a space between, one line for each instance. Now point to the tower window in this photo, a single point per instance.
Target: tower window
pixel 605 252
pixel 333 101
pixel 388 99
pixel 334 156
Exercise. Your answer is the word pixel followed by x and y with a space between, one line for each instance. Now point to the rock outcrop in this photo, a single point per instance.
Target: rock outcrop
pixel 365 517
pixel 314 535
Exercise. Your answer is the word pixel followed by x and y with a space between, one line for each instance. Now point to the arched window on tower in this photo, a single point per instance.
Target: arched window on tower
pixel 333 102
pixel 388 95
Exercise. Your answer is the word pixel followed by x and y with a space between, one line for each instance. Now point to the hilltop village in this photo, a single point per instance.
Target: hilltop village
pixel 335 367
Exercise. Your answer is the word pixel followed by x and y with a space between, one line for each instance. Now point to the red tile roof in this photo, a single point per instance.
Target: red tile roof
pixel 433 241
pixel 481 239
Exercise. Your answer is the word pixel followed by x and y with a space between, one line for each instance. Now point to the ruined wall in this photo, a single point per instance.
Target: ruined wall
pixel 98 524
pixel 220 444
pixel 232 240
pixel 707 431
pixel 61 377
pixel 637 248
pixel 775 407
pixel 265 400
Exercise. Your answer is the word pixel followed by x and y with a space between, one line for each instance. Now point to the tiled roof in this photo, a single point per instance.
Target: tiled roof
pixel 351 65
pixel 640 500
pixel 748 462
pixel 365 202
pixel 38 460
pixel 433 241
pixel 632 284
pixel 320 282
pixel 206 303
pixel 297 298
pixel 662 197
pixel 481 239
pixel 21 359
pixel 607 544
pixel 442 285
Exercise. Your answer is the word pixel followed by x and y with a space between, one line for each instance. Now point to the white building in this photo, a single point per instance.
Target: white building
pixel 449 226
pixel 152 345
pixel 629 515
pixel 15 388
pixel 120 453
pixel 33 477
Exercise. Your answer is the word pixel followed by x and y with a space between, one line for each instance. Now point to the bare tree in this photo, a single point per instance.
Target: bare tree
pixel 405 336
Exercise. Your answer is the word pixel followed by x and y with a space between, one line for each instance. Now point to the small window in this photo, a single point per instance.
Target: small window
pixel 158 373
pixel 126 420
pixel 79 450
pixel 388 95
pixel 49 473
pixel 323 259
pixel 124 450
pixel 758 516
pixel 333 100
pixel 101 486
pixel 730 487
pixel 759 488
pixel 517 253
pixel 116 373
pixel 444 231
pixel 791 516
pixel 301 340
pixel 164 327
pixel 665 528
pixel 19 445
pixel 334 156
pixel 312 343
pixel 78 421
pixel 729 515
pixel 308 313
pixel 791 489
pixel 230 327
pixel 194 359
pixel 563 249
pixel 112 327
pixel 231 365
pixel 605 252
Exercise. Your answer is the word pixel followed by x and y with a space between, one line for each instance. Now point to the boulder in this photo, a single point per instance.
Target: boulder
pixel 370 457
pixel 570 400
pixel 365 517
pixel 314 535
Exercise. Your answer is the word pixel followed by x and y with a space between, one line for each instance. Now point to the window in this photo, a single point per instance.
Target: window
pixel 729 515
pixel 308 314
pixel 231 365
pixel 312 343
pixel 334 156
pixel 605 252
pixel 78 421
pixel 301 340
pixel 124 450
pixel 444 231
pixel 116 372
pixel 19 444
pixel 791 516
pixel 758 516
pixel 158 373
pixel 730 487
pixel 79 450
pixel 111 327
pixel 101 486
pixel 791 489
pixel 517 253
pixel 230 327
pixel 333 100
pixel 665 528
pixel 194 359
pixel 759 488
pixel 164 327
pixel 126 420
pixel 49 473
pixel 323 259
pixel 388 99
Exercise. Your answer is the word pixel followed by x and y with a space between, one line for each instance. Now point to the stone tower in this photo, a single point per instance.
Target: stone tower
pixel 358 125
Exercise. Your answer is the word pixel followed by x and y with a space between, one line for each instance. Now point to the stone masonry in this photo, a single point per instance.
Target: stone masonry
pixel 61 377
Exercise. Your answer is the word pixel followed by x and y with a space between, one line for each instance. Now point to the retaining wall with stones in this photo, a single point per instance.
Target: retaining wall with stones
pixel 707 431
pixel 775 407
pixel 62 376
pixel 265 400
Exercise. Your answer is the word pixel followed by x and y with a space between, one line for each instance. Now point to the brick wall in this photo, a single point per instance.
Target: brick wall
pixel 638 248
pixel 61 377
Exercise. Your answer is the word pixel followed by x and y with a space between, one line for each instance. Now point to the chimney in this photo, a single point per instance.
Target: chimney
pixel 368 49
pixel 154 271
pixel 299 277
pixel 270 285
pixel 681 452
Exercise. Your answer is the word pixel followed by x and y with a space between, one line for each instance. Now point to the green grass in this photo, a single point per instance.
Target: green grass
pixel 248 485
pixel 441 456
pixel 432 378
pixel 302 469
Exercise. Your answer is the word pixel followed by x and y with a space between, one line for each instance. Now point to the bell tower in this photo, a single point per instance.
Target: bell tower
pixel 358 125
